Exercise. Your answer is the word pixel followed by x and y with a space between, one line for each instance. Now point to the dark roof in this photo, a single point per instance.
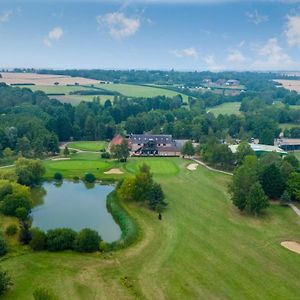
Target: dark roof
pixel 157 138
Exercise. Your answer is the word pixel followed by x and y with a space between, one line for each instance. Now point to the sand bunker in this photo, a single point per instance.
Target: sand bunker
pixel 293 246
pixel 192 167
pixel 61 158
pixel 114 171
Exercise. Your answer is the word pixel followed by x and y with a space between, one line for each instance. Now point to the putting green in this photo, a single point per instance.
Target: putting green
pixel 88 145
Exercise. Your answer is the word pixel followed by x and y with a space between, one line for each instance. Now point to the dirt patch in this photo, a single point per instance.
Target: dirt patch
pixel 293 246
pixel 192 167
pixel 292 85
pixel 115 171
pixel 61 158
pixel 44 79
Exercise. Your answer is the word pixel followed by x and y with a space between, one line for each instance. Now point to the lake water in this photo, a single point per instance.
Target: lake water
pixel 76 206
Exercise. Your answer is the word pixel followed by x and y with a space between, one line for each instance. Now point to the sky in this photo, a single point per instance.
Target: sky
pixel 151 34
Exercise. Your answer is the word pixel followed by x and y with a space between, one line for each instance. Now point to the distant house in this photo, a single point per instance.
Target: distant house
pixel 153 145
pixel 117 140
pixel 231 82
pixel 288 144
pixel 260 149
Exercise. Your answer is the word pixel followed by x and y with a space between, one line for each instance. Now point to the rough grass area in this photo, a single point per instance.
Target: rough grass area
pixel 202 249
pixel 297 154
pixel 88 145
pixel 132 90
pixel 226 109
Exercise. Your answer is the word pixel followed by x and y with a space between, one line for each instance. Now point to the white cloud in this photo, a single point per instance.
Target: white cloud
pixel 256 18
pixel 5 16
pixel 54 35
pixel 292 32
pixel 118 25
pixel 211 63
pixel 235 56
pixel 273 56
pixel 187 52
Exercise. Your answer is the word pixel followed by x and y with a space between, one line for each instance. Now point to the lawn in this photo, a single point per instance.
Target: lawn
pixel 297 154
pixel 226 109
pixel 88 145
pixel 202 249
pixel 132 90
pixel 284 126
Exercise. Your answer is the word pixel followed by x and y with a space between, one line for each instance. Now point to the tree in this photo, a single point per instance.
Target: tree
pixel 285 198
pixel 22 213
pixel 157 197
pixel 3 247
pixel 87 240
pixel 293 186
pixel 38 239
pixel 58 176
pixel 256 199
pixel 15 203
pixel 25 234
pixel 11 229
pixel 66 151
pixel 121 152
pixel 5 282
pixel 292 160
pixel 188 149
pixel 89 177
pixel 243 150
pixel 243 179
pixel 272 181
pixel 29 172
pixel 126 190
pixel 8 153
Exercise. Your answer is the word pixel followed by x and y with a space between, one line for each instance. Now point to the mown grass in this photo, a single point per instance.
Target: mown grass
pixel 228 108
pixel 88 145
pixel 202 249
pixel 132 90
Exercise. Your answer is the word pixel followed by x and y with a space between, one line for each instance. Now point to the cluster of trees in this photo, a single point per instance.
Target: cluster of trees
pixel 142 188
pixel 256 180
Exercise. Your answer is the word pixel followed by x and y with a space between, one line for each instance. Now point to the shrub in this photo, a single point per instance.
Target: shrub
pixel 76 178
pixel 60 239
pixel 3 247
pixel 38 239
pixel 87 240
pixel 89 177
pixel 103 247
pixel 5 282
pixel 42 293
pixel 25 234
pixel 12 229
pixel 13 201
pixel 22 213
pixel 105 155
pixel 58 176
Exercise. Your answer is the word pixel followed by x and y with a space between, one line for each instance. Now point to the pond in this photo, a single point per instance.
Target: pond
pixel 76 206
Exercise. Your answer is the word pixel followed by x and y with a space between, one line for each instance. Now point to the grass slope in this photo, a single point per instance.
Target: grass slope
pixel 226 109
pixel 88 145
pixel 202 249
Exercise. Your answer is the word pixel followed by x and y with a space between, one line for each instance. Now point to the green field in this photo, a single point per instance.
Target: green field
pixel 202 249
pixel 226 109
pixel 297 154
pixel 288 125
pixel 132 90
pixel 88 145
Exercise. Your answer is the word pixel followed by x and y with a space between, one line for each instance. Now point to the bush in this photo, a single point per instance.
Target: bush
pixel 103 247
pixel 89 177
pixel 76 178
pixel 3 247
pixel 60 239
pixel 87 240
pixel 42 293
pixel 5 282
pixel 25 234
pixel 58 176
pixel 12 229
pixel 105 155
pixel 13 201
pixel 38 239
pixel 22 213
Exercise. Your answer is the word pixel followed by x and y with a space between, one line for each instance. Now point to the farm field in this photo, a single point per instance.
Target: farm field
pixel 292 85
pixel 43 79
pixel 202 249
pixel 88 145
pixel 226 109
pixel 132 90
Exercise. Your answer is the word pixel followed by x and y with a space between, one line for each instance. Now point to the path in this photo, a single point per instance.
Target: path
pixel 9 166
pixel 210 168
pixel 295 209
